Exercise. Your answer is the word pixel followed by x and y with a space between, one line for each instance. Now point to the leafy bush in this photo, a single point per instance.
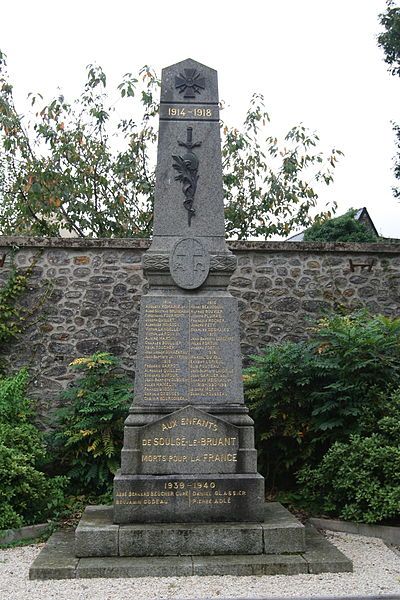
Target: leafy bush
pixel 27 495
pixel 90 428
pixel 306 396
pixel 359 480
pixel 340 229
pixel 278 388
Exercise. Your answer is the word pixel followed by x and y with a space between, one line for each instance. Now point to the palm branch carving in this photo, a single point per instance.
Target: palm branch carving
pixel 187 167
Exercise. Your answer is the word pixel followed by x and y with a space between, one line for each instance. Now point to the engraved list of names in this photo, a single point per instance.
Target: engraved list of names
pixel 187 350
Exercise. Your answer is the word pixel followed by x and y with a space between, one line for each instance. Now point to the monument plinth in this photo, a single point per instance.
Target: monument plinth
pixel 188 440
pixel 188 499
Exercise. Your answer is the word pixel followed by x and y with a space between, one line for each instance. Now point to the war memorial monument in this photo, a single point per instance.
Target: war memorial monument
pixel 188 499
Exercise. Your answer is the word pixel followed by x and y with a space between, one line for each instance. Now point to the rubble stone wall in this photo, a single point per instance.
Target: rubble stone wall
pixel 85 296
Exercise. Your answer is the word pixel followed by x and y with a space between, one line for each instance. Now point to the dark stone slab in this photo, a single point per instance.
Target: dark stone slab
pixel 188 351
pixel 249 565
pixel 282 532
pixel 322 556
pixel 57 559
pixel 121 566
pixel 170 216
pixel 177 539
pixel 96 534
pixel 188 498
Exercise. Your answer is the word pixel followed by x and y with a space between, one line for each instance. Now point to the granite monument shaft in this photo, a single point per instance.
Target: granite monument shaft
pixel 189 446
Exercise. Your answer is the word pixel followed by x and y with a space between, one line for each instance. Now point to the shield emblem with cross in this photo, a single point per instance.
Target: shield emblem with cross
pixel 189 263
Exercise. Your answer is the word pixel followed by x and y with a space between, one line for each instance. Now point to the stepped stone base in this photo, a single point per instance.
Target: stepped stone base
pixel 58 558
pixel 97 535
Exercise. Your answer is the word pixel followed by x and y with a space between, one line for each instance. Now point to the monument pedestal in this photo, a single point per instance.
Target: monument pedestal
pixel 188 466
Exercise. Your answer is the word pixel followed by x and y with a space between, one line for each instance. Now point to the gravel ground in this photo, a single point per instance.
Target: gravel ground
pixel 376 571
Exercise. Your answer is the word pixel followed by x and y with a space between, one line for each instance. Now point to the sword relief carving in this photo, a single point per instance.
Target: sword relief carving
pixel 187 167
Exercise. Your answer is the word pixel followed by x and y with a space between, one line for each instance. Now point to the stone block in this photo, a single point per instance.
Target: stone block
pixel 322 556
pixel 282 532
pixel 57 559
pixel 243 566
pixel 185 441
pixel 188 498
pixel 96 535
pixel 178 539
pixel 122 566
pixel 175 327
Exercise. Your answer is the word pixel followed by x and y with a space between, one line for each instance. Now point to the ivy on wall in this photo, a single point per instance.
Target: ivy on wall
pixel 14 316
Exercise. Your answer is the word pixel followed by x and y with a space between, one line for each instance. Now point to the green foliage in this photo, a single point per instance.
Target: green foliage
pixel 340 229
pixel 15 316
pixel 62 170
pixel 389 41
pixel 89 433
pixel 12 316
pixel 389 38
pixel 359 480
pixel 75 166
pixel 267 182
pixel 27 495
pixel 278 388
pixel 306 396
pixel 396 168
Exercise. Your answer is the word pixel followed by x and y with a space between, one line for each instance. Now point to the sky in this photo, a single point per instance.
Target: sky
pixel 315 61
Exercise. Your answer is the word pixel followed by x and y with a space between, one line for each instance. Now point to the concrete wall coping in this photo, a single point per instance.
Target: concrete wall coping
pixel 388 533
pixel 235 245
pixel 29 532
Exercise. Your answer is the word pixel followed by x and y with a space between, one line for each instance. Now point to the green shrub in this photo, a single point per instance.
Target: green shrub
pixel 278 388
pixel 340 229
pixel 359 480
pixel 27 495
pixel 89 432
pixel 306 396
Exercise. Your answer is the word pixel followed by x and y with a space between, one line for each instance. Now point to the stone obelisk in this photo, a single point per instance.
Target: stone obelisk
pixel 188 451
